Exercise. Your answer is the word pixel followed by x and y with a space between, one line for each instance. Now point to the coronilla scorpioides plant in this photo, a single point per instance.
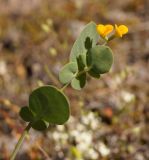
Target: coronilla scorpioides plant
pixel 48 104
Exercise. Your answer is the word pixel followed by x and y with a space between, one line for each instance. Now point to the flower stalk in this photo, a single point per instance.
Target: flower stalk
pixel 20 141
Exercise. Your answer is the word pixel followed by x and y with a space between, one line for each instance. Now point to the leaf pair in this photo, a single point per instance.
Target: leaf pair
pixel 69 73
pixel 86 57
pixel 47 105
pixel 100 60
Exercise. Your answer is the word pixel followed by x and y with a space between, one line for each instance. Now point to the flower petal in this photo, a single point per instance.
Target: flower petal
pixel 100 29
pixel 120 30
pixel 123 29
pixel 104 30
pixel 109 29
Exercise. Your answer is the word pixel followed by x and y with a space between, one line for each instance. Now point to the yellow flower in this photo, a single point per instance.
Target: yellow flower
pixel 120 30
pixel 104 30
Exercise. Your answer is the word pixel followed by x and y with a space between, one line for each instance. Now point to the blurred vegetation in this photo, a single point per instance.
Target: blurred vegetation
pixel 109 117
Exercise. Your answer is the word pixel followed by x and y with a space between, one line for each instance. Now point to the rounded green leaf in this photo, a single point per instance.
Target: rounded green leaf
pixel 26 114
pixel 87 39
pixel 49 104
pixel 40 125
pixel 100 59
pixel 68 72
pixel 79 82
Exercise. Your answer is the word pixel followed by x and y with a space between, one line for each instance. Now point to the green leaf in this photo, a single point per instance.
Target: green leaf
pixel 88 37
pixel 40 125
pixel 93 74
pixel 88 43
pixel 79 82
pixel 26 114
pixel 49 104
pixel 81 62
pixel 100 59
pixel 68 72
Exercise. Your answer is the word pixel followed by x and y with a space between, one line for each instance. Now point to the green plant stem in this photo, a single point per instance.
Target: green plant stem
pixel 18 145
pixel 76 75
pixel 84 71
pixel 65 86
pixel 104 43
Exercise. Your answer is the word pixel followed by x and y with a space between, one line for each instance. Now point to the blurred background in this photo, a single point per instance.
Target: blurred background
pixel 109 117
